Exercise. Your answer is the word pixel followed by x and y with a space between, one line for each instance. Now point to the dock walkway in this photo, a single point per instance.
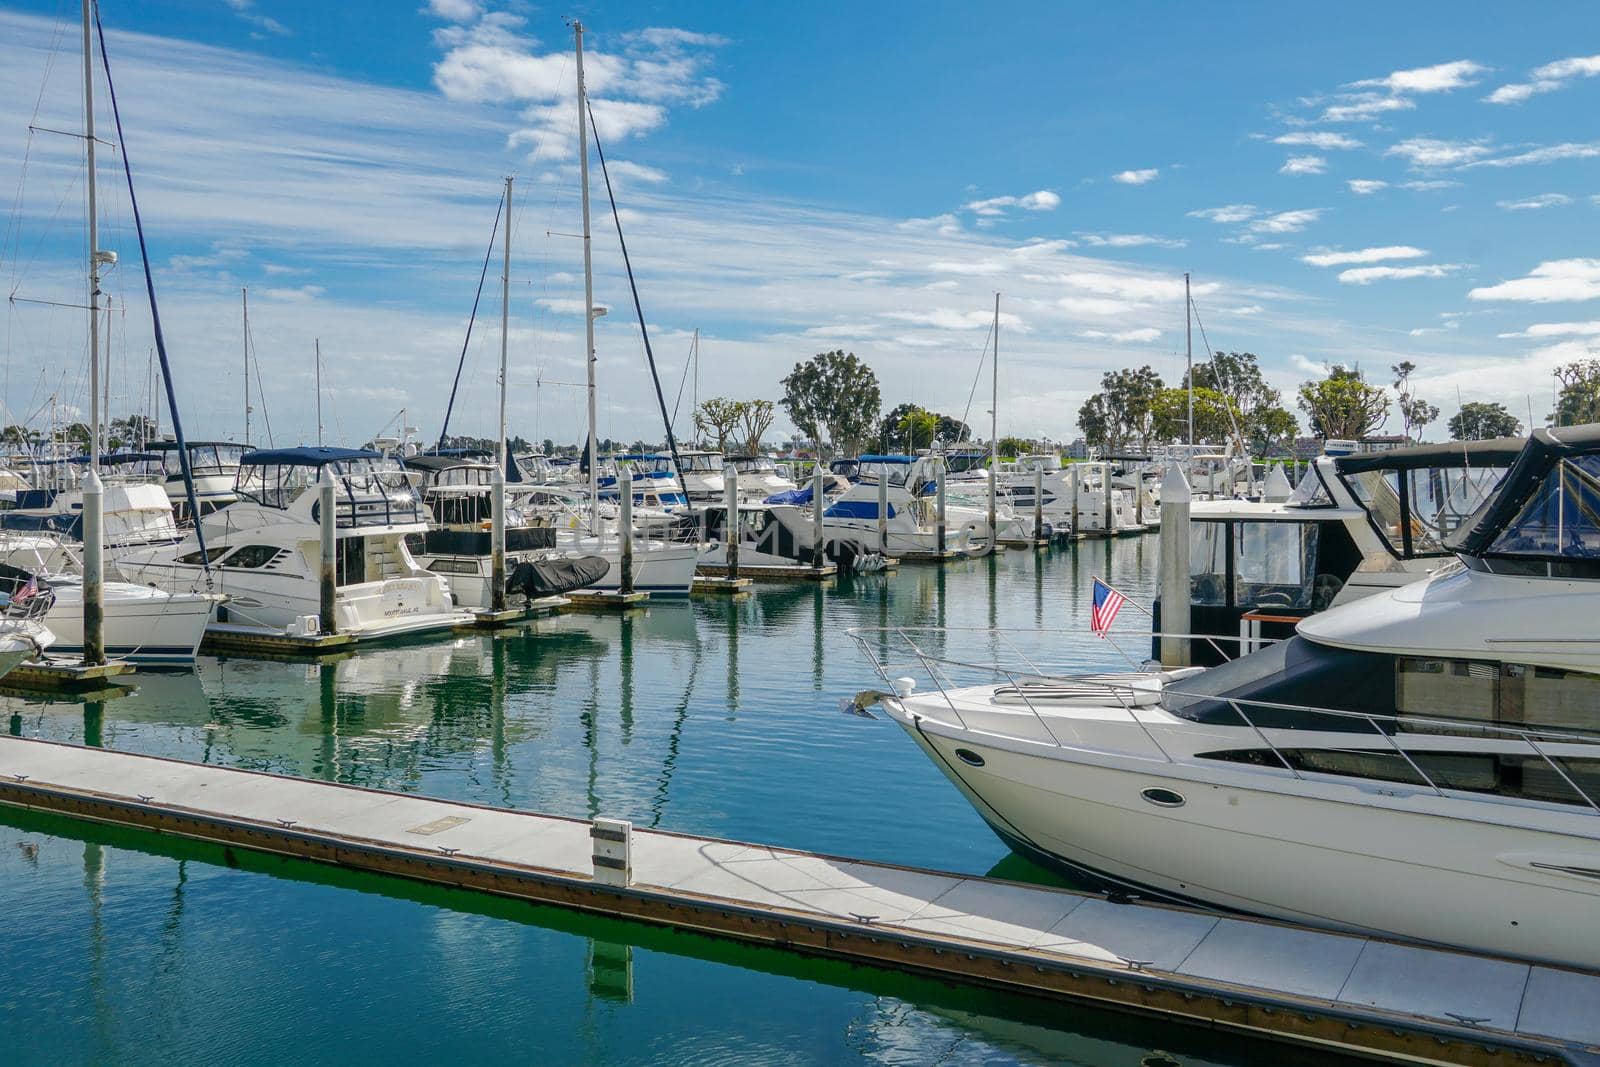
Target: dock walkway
pixel 1335 991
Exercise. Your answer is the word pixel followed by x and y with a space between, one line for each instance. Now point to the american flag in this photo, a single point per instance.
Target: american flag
pixel 27 592
pixel 1107 602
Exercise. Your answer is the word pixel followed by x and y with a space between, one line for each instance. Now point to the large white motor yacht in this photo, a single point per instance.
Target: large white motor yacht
pixel 850 521
pixel 264 551
pixel 1422 763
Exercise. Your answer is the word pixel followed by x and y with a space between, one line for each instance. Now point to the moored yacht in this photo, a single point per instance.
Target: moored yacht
pixel 214 466
pixel 850 524
pixel 759 477
pixel 264 550
pixel 1422 763
pixel 701 475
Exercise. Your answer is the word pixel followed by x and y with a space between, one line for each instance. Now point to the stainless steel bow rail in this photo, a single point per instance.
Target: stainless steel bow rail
pixel 894 650
pixel 1256 978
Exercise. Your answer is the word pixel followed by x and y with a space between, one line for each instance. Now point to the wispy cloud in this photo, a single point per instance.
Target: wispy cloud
pixel 1553 281
pixel 1304 165
pixel 1364 255
pixel 1366 186
pixel 1137 177
pixel 995 206
pixel 1227 213
pixel 245 9
pixel 1534 203
pixel 1130 240
pixel 1547 79
pixel 1439 78
pixel 1430 152
pixel 1326 140
pixel 1368 275
pixel 1143 335
pixel 1286 221
pixel 1545 154
pixel 1559 329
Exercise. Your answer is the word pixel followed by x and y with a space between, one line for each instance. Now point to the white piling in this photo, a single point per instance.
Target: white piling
pixel 1105 486
pixel 1077 530
pixel 328 521
pixel 730 505
pixel 1038 501
pixel 1174 568
pixel 818 505
pixel 94 644
pixel 940 473
pixel 624 530
pixel 883 508
pixel 497 539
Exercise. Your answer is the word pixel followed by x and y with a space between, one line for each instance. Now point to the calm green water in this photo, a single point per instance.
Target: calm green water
pixel 713 717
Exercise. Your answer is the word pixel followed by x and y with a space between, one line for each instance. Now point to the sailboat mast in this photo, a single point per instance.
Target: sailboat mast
pixel 1188 345
pixel 317 348
pixel 994 425
pixel 94 246
pixel 588 279
pixel 694 397
pixel 244 296
pixel 505 332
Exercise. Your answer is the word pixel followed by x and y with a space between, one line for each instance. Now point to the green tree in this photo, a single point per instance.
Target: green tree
pixel 549 447
pixel 716 419
pixel 1415 413
pixel 1343 405
pixel 17 437
pixel 1170 415
pixel 1478 421
pixel 1012 447
pixel 1264 422
pixel 918 429
pixel 944 429
pixel 1130 396
pixel 755 419
pixel 1579 400
pixel 833 398
pixel 1094 422
pixel 76 434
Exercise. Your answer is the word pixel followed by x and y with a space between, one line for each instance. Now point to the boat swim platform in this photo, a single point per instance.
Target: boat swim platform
pixel 949 555
pixel 799 572
pixel 1337 992
pixel 57 675
pixel 497 620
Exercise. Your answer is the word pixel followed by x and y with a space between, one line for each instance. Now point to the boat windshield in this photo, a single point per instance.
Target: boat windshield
pixel 1562 518
pixel 896 473
pixel 1253 564
pixel 756 466
pixel 1415 510
pixel 280 485
pixel 703 462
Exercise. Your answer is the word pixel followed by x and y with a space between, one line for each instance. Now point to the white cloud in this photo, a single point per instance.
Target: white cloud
pixel 1547 79
pixel 1130 240
pixel 1308 366
pixel 621 168
pixel 1304 165
pixel 1441 77
pixel 299 295
pixel 1365 255
pixel 1551 281
pixel 945 225
pixel 1428 152
pixel 1042 200
pixel 1368 275
pixel 1366 186
pixel 1226 213
pixel 455 10
pixel 1287 221
pixel 1137 177
pixel 1534 203
pixel 1559 329
pixel 1429 185
pixel 1142 335
pixel 1547 154
pixel 631 90
pixel 1363 106
pixel 944 318
pixel 1326 140
pixel 245 9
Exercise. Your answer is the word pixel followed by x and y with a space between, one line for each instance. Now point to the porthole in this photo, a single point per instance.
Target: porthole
pixel 1163 798
pixel 972 758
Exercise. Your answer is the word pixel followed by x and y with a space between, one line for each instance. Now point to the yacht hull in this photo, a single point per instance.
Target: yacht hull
pixel 1408 865
pixel 142 626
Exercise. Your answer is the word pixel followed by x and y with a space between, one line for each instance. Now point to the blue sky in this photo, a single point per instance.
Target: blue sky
pixel 1411 181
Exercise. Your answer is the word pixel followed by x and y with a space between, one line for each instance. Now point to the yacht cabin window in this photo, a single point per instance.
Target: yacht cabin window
pixel 1562 518
pixel 1415 510
pixel 702 463
pixel 895 472
pixel 1253 564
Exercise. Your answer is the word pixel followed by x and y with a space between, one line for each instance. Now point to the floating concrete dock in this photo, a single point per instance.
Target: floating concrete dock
pixel 723 585
pixel 1337 992
pixel 604 600
pixel 797 573
pixel 50 675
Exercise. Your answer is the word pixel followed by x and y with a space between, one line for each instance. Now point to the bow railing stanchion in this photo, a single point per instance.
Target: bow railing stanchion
pixel 1404 755
pixel 1528 737
pixel 1290 767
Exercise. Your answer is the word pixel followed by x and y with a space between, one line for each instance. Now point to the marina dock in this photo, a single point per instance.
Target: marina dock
pixel 1336 992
